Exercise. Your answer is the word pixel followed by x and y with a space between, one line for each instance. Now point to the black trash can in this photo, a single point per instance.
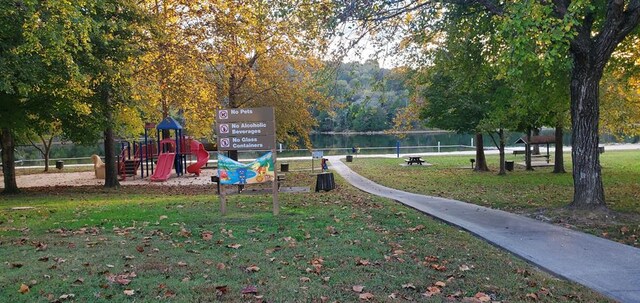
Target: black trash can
pixel 59 164
pixel 325 182
pixel 284 167
pixel 349 158
pixel 508 165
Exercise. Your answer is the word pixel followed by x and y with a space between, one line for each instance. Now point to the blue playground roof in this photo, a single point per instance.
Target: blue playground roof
pixel 169 123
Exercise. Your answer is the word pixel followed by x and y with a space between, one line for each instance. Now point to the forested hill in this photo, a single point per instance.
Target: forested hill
pixel 366 97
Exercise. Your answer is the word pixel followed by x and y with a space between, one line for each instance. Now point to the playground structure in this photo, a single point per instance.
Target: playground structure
pixel 202 156
pixel 157 158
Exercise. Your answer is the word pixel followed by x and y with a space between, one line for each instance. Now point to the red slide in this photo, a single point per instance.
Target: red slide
pixel 164 166
pixel 202 156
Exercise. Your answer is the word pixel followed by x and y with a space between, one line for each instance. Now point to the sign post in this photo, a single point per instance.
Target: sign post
pixel 248 129
pixel 317 154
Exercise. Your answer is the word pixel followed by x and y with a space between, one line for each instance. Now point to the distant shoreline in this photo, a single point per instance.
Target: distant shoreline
pixel 384 132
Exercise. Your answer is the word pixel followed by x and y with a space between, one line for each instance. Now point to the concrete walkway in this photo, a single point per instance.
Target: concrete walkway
pixel 605 266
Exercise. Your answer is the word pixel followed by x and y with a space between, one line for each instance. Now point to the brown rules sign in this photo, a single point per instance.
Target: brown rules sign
pixel 246 128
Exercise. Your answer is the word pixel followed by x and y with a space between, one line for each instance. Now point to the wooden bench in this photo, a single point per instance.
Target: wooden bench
pixel 541 156
pixel 519 152
pixel 414 159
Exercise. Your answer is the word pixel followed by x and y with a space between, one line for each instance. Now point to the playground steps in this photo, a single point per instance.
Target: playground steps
pixel 129 168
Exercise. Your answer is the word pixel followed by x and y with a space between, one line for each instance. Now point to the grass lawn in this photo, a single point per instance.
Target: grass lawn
pixel 539 193
pixel 148 244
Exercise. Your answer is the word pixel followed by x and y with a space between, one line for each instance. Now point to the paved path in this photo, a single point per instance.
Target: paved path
pixel 608 267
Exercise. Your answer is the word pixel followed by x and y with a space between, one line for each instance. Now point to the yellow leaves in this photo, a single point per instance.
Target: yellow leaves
pixel 23 289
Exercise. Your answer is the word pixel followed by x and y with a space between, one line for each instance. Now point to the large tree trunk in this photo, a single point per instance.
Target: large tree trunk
pixel 558 159
pixel 47 151
pixel 502 171
pixel 8 162
pixel 527 152
pixel 588 192
pixel 481 160
pixel 111 171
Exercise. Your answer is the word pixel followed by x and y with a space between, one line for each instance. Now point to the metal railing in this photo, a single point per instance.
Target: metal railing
pixel 329 151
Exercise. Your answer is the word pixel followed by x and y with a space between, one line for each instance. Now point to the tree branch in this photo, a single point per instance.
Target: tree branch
pixel 561 7
pixel 618 24
pixel 36 146
pixel 492 7
pixel 494 139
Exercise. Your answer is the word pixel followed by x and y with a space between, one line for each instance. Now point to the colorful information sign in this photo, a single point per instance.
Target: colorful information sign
pixel 234 172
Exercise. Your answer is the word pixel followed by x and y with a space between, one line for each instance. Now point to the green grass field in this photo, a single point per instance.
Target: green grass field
pixel 148 244
pixel 539 193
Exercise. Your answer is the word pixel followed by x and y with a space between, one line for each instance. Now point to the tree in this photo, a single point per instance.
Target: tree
pixel 38 40
pixel 45 133
pixel 462 81
pixel 173 76
pixel 115 39
pixel 264 54
pixel 589 33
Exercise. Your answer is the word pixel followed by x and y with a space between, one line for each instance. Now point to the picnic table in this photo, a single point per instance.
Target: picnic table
pixel 414 159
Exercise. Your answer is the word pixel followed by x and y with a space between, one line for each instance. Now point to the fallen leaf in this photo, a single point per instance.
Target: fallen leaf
pixel 362 262
pixel 439 267
pixel 440 284
pixel 207 235
pixel 221 290
pixel 533 296
pixel 433 290
pixel 250 289
pixel 417 228
pixel 304 279
pixel 41 246
pixel 122 279
pixel 624 230
pixel 234 246
pixel 169 294
pixel 408 286
pixel 252 268
pixel 66 296
pixel 482 297
pixel 182 264
pixel 129 292
pixel 163 217
pixel 366 296
pixel 78 281
pixel 185 233
pixel 464 267
pixel 431 259
pixel 221 266
pixel 332 230
pixel 23 289
pixel 357 288
pixel 140 248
